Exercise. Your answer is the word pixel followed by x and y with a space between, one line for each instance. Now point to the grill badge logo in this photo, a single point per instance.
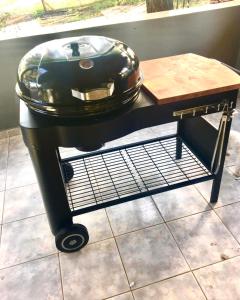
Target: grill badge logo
pixel 86 64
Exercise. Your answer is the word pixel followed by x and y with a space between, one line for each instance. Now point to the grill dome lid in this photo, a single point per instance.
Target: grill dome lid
pixel 70 76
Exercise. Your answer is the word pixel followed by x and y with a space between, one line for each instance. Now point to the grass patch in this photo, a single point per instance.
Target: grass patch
pixel 90 10
pixel 65 11
pixel 59 11
pixel 4 17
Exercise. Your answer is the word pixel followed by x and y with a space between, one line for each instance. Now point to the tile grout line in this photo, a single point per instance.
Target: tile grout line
pixel 61 279
pixel 132 295
pixel 211 208
pixel 118 249
pixel 21 186
pixel 23 219
pixel 162 280
pixel 170 220
pixel 200 194
pixel 27 152
pixel 214 207
pixel 198 283
pixel 188 215
pixel 215 263
pixel 57 252
pixel 109 298
pixel 228 204
pixel 183 273
pixel 190 269
pixel 28 261
pixel 228 229
pixel 129 232
pixel 194 269
pixel 210 204
pixel 5 179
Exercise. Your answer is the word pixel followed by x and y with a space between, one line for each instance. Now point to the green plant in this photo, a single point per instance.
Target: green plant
pixel 4 17
pixel 129 2
pixel 38 13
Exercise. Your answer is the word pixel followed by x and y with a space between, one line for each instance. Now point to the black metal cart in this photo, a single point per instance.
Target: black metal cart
pixel 99 179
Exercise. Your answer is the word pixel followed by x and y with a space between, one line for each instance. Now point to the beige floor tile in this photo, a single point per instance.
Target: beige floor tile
pixel 221 281
pixel 238 102
pixel 180 287
pixel 17 149
pixel 14 131
pixel 68 152
pixel 97 225
pixel 3 134
pixel 203 239
pixel 233 150
pixel 214 119
pixel 165 129
pixel 93 273
pixel 20 174
pixel 133 215
pixel 229 191
pixel 235 171
pixel 180 203
pixel 143 134
pixel 236 121
pixel 134 137
pixel 22 202
pixel 3 162
pixel 127 296
pixel 1 205
pixel 39 279
pixel 150 255
pixel 230 216
pixel 2 179
pixel 20 170
pixel 26 240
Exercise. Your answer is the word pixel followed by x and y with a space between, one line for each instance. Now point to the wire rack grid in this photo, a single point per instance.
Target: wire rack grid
pixel 132 171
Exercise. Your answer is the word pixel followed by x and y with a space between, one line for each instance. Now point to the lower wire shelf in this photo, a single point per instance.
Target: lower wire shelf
pixel 121 174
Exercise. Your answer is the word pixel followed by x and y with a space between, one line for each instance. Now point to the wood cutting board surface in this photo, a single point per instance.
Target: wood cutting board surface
pixel 186 76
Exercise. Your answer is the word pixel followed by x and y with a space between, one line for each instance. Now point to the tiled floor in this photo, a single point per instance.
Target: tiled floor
pixel 170 246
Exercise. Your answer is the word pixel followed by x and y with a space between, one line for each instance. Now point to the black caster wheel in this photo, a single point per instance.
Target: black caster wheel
pixel 67 171
pixel 72 238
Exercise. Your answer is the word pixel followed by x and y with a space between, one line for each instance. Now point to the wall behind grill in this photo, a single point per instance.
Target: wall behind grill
pixel 214 33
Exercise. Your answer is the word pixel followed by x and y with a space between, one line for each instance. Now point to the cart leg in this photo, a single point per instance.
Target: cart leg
pixel 179 141
pixel 51 182
pixel 217 180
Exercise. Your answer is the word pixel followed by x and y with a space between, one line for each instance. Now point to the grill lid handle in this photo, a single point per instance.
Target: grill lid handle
pixel 75 49
pixel 94 94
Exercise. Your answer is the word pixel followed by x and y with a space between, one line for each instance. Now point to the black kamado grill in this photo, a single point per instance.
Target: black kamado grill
pixel 85 91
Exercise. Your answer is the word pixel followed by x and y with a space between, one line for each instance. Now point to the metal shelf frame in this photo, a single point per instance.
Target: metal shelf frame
pixel 112 176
